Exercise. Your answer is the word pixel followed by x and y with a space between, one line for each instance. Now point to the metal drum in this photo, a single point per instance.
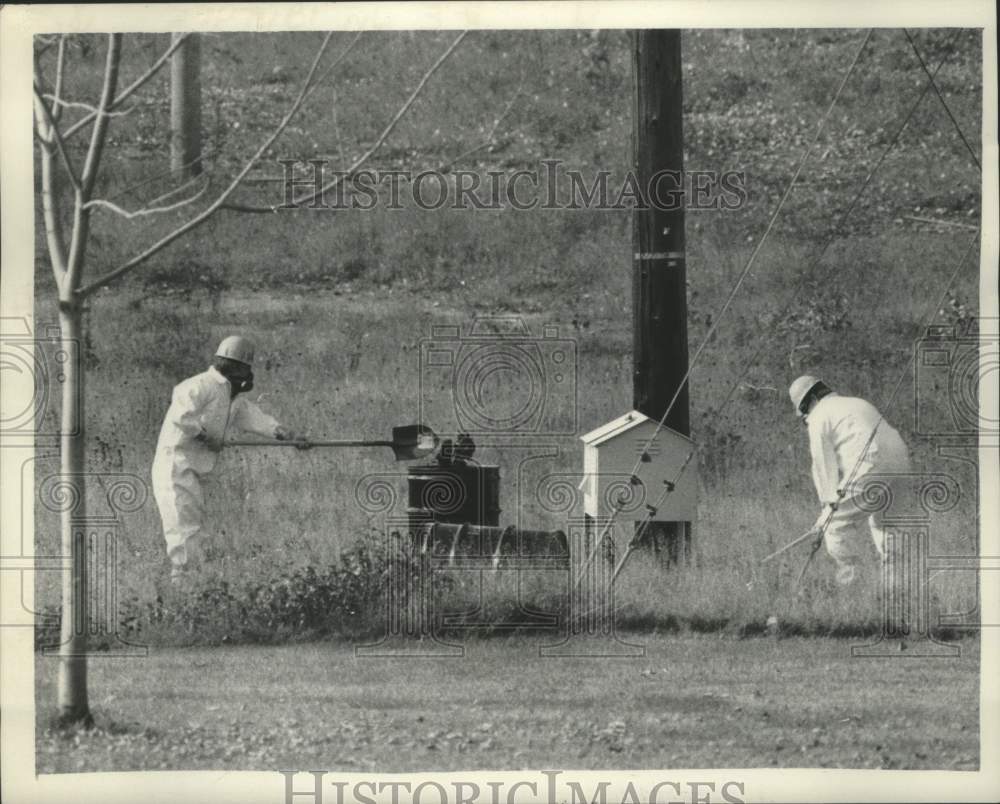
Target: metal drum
pixel 462 493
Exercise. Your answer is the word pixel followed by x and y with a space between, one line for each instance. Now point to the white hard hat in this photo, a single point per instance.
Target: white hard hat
pixel 236 347
pixel 801 388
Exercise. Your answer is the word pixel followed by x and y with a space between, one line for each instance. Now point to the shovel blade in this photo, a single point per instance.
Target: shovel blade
pixel 413 441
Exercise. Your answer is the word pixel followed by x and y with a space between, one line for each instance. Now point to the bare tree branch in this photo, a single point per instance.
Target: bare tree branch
pixel 375 146
pixel 60 70
pixel 131 88
pixel 336 129
pixel 46 42
pixel 64 104
pixel 205 214
pixel 211 152
pixel 152 209
pixel 938 222
pixel 491 137
pixel 81 215
pixel 336 63
pixel 50 133
pixel 159 200
pixel 164 174
pixel 98 136
pixel 58 103
pixel 944 103
pixel 51 215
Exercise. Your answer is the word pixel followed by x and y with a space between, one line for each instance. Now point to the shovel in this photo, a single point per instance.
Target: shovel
pixel 409 442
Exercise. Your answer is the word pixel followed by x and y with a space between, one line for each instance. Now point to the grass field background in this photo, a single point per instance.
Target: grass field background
pixel 690 702
pixel 338 303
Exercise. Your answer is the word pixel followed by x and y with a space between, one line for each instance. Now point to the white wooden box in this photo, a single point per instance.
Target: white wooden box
pixel 615 451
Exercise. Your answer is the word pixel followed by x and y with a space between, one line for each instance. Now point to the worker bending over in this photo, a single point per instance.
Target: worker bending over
pixel 848 440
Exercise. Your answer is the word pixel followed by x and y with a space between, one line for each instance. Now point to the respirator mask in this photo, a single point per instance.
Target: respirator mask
pixel 242 383
pixel 238 374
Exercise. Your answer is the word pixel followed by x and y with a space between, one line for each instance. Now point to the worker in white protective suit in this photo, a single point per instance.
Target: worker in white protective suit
pixel 848 440
pixel 202 410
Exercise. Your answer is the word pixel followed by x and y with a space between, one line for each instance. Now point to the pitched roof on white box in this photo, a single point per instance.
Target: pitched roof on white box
pixel 622 424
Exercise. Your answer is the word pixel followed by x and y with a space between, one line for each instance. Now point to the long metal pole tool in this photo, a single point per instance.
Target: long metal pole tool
pixel 814 533
pixel 809 534
pixel 310 442
pixel 409 442
pixel 805 565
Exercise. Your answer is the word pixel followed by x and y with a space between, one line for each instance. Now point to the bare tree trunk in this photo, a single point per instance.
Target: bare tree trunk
pixel 185 107
pixel 67 263
pixel 73 704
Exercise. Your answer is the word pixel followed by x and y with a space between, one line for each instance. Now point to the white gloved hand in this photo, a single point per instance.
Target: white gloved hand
pixel 283 433
pixel 824 516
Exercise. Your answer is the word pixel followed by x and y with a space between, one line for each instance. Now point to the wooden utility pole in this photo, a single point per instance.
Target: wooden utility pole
pixel 185 107
pixel 659 292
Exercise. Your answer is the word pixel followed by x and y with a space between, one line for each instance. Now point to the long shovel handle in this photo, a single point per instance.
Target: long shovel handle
pixel 310 443
pixel 409 442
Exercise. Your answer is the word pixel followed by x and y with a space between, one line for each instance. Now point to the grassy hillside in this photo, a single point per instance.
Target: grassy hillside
pixel 339 302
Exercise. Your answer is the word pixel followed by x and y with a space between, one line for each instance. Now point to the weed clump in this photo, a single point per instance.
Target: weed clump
pixel 345 598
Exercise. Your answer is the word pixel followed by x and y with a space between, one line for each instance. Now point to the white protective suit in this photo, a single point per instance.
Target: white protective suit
pixel 201 406
pixel 839 431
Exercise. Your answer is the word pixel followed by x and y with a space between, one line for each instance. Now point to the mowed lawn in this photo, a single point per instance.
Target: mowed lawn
pixel 689 702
